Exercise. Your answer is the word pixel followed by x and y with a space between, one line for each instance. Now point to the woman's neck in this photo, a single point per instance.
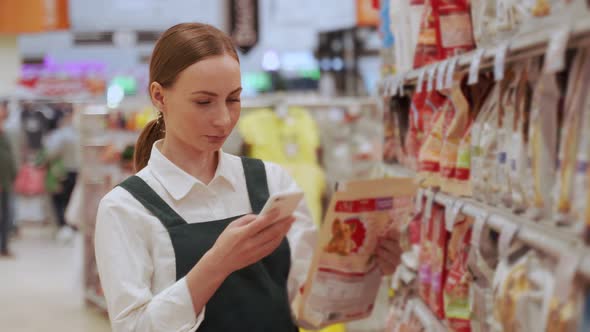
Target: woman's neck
pixel 200 164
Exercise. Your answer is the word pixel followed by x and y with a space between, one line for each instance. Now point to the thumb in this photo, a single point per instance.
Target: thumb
pixel 243 221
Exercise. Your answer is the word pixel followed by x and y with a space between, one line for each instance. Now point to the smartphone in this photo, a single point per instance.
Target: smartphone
pixel 285 203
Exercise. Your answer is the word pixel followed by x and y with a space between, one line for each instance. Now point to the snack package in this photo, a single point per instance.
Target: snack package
pixel 428 47
pixel 542 147
pixel 582 175
pixel 485 185
pixel 564 297
pixel 420 116
pixel 482 262
pixel 427 250
pixel 477 152
pixel 506 118
pixel 344 277
pixel 429 155
pixel 438 261
pixel 453 135
pixel 584 324
pixel 483 13
pixel 578 84
pixel 405 29
pixel 456 32
pixel 456 291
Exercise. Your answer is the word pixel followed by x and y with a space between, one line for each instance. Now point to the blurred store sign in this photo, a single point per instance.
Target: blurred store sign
pixel 32 16
pixel 244 23
pixel 94 38
pixel 367 14
pixel 74 79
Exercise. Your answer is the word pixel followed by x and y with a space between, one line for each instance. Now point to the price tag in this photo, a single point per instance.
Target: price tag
pixel 478 226
pixel 451 214
pixel 451 72
pixel 500 61
pixel 440 77
pixel 555 55
pixel 431 77
pixel 507 234
pixel 421 80
pixel 419 200
pixel 566 271
pixel 474 68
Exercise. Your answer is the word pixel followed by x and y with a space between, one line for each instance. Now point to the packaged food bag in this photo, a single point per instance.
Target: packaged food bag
pixel 564 310
pixel 453 134
pixel 429 155
pixel 428 48
pixel 542 147
pixel 578 85
pixel 438 256
pixel 344 277
pixel 425 260
pixel 456 31
pixel 456 289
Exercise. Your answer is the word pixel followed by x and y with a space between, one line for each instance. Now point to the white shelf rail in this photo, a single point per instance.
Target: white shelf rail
pixel 550 240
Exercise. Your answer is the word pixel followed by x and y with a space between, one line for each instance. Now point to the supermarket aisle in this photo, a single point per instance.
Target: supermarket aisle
pixel 41 287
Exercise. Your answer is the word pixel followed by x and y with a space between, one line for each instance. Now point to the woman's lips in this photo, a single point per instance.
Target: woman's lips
pixel 215 139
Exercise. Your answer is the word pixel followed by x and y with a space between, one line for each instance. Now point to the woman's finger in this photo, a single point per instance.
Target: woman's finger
pixel 391 246
pixel 262 222
pixel 386 267
pixel 276 230
pixel 245 220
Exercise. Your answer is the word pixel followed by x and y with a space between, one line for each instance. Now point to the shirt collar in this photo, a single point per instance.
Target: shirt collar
pixel 178 182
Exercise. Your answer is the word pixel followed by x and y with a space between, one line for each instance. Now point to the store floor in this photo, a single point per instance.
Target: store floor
pixel 41 287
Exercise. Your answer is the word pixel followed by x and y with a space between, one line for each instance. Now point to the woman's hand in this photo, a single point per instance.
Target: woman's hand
pixel 389 251
pixel 248 240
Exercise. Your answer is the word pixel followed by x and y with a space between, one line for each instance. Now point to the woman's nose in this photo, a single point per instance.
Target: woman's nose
pixel 223 118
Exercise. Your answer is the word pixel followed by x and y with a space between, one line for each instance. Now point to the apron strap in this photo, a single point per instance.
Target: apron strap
pixel 142 192
pixel 256 182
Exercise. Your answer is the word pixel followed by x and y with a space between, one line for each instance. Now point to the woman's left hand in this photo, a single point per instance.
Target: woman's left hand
pixel 389 251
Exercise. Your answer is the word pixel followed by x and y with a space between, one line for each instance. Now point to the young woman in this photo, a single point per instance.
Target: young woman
pixel 179 246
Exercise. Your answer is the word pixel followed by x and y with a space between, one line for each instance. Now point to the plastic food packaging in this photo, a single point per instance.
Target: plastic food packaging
pixel 438 262
pixel 344 278
pixel 578 84
pixel 456 291
pixel 542 147
pixel 453 135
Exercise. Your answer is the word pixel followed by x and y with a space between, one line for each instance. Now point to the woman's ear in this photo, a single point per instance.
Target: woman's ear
pixel 157 95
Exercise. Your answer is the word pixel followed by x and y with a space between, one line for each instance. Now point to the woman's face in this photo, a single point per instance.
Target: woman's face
pixel 203 105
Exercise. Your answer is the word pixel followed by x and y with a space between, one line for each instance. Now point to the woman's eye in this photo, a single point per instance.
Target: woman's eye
pixel 234 100
pixel 202 102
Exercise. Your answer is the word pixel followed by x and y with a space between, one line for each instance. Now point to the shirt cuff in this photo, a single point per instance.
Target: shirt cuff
pixel 179 296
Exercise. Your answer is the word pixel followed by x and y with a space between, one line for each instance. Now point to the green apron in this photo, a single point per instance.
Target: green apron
pixel 253 299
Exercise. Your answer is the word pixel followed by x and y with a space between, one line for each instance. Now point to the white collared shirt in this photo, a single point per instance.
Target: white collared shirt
pixel 134 253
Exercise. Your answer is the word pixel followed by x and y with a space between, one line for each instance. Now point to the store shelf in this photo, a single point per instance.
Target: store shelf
pixel 520 46
pixel 551 240
pixel 426 317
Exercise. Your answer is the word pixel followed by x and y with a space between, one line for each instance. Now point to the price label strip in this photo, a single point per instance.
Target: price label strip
pixel 474 68
pixel 402 80
pixel 452 212
pixel 555 55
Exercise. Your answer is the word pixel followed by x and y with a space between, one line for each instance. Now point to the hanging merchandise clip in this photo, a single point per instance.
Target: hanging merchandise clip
pixel 419 200
pixel 474 68
pixel 393 81
pixel 402 80
pixel 451 72
pixel 555 55
pixel 507 234
pixel 420 85
pixel 478 226
pixel 429 204
pixel 452 212
pixel 440 77
pixel 431 77
pixel 500 61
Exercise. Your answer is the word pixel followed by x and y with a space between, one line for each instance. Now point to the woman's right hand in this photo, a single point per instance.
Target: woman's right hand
pixel 249 239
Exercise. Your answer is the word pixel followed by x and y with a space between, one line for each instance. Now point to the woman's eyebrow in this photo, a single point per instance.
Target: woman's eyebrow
pixel 213 94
